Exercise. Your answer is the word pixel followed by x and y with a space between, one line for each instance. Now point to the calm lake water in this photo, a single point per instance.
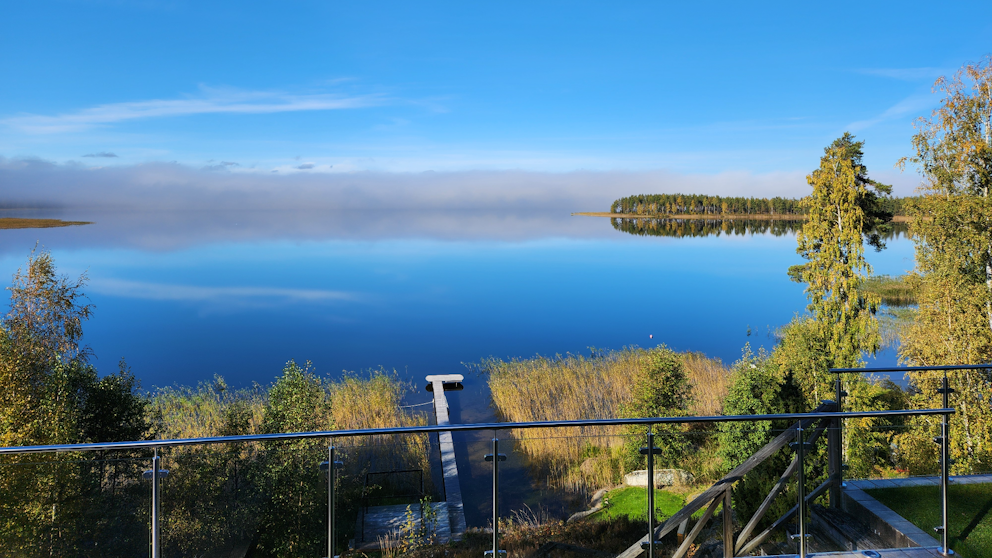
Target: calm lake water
pixel 186 296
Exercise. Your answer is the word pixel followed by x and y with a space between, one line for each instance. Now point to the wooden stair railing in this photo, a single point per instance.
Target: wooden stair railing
pixel 722 490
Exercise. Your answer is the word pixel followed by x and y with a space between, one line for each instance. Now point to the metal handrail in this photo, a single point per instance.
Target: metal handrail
pixel 156 445
pixel 151 444
pixel 912 368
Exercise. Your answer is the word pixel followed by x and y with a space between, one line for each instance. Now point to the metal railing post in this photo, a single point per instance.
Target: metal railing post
pixel 331 465
pixel 945 458
pixel 650 451
pixel 835 447
pixel 330 501
pixel 156 496
pixel 495 457
pixel 801 446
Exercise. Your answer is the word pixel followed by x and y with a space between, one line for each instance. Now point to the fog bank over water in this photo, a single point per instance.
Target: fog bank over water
pixel 167 186
pixel 177 230
pixel 166 206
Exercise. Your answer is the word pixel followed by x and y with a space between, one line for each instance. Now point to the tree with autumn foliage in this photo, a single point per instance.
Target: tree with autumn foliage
pixel 952 228
pixel 845 211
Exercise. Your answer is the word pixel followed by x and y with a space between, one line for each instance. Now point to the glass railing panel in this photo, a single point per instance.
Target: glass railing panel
pixel 390 493
pixel 79 504
pixel 900 457
pixel 216 498
pixel 897 463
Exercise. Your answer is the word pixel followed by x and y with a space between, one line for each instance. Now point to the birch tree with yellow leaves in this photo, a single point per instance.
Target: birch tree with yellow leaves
pixel 952 228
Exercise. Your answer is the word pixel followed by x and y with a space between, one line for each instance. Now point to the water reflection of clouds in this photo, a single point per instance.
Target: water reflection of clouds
pixel 161 206
pixel 192 293
pixel 165 231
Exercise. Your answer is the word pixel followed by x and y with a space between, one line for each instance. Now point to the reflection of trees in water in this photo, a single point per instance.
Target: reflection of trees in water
pixel 653 226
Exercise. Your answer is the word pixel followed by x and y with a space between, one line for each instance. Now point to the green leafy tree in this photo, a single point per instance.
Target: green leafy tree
pixel 661 390
pixel 293 521
pixel 39 335
pixel 952 228
pixel 49 394
pixel 845 210
pixel 758 387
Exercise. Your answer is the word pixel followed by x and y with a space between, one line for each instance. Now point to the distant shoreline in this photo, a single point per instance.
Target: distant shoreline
pixel 696 216
pixel 24 223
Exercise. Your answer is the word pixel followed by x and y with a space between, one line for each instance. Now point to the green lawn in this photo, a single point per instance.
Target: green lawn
pixel 970 510
pixel 632 502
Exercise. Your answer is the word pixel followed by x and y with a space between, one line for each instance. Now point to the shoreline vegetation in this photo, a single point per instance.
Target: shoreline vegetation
pixel 30 223
pixel 624 383
pixel 714 216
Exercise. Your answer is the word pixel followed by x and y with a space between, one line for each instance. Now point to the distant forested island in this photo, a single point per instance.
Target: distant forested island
pixel 714 206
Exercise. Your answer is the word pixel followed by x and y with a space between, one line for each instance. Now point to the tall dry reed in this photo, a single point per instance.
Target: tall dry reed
pixel 567 387
pixel 573 387
pixel 374 402
pixel 710 381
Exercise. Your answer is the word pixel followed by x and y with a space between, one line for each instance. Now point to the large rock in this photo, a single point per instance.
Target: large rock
pixel 662 477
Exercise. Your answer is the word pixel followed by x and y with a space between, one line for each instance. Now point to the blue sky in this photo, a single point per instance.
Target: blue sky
pixel 311 87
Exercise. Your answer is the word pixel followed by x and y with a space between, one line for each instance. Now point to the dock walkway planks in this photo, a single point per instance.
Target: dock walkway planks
pixel 452 488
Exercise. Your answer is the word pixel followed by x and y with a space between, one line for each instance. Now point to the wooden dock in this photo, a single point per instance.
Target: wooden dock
pixel 452 488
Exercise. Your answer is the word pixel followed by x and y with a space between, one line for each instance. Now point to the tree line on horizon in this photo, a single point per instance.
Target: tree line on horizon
pixel 702 204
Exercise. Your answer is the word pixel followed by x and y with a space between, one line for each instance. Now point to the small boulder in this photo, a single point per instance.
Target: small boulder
pixel 662 477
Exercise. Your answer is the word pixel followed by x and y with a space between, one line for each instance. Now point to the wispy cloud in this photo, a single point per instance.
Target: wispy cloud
pixel 912 105
pixel 192 293
pixel 905 74
pixel 213 101
pixel 101 154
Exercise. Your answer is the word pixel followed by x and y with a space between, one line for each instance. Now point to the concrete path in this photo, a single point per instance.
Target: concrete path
pixel 885 553
pixel 871 484
pixel 890 524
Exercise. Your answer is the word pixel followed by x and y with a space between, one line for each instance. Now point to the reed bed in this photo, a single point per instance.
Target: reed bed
pixel 226 492
pixel 573 387
pixel 710 382
pixel 894 291
pixel 374 402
